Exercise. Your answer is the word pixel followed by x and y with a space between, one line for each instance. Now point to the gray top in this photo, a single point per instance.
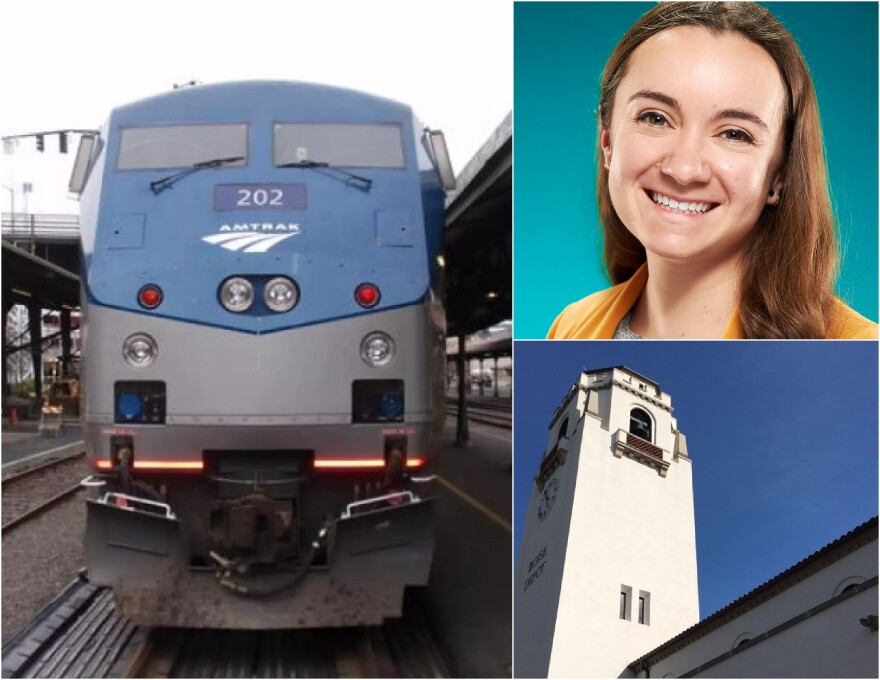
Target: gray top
pixel 623 332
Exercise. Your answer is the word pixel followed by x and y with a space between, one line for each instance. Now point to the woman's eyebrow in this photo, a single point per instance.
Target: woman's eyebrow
pixel 739 114
pixel 657 96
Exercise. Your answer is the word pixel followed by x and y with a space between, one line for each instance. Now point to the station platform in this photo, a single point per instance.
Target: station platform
pixel 24 444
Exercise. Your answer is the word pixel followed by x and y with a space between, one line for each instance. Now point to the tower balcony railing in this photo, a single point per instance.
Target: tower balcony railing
pixel 644 446
pixel 643 451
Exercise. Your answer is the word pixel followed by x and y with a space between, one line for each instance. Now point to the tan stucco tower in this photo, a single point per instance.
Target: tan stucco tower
pixel 607 568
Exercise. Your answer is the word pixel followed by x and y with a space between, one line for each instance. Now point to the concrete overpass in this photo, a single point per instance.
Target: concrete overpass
pixel 478 238
pixel 477 244
pixel 38 285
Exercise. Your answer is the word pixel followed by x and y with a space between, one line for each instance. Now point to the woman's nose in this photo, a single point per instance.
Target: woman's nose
pixel 686 161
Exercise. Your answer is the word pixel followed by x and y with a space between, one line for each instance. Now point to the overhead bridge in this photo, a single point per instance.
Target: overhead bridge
pixel 39 285
pixel 477 245
pixel 53 238
pixel 478 237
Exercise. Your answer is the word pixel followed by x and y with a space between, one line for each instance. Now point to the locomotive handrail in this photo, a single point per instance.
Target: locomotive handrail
pixel 378 499
pixel 422 480
pixel 105 499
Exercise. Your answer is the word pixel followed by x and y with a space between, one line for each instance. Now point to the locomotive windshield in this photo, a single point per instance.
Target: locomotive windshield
pixel 361 145
pixel 181 146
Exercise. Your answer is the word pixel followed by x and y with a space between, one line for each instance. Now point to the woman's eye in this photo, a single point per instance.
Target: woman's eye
pixel 653 118
pixel 737 136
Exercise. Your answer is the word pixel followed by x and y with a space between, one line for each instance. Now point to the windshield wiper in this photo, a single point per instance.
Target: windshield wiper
pixel 159 185
pixel 364 182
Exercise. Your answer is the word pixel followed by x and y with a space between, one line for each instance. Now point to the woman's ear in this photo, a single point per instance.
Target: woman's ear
pixel 775 194
pixel 605 143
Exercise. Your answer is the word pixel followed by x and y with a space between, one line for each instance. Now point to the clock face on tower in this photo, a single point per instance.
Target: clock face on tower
pixel 548 497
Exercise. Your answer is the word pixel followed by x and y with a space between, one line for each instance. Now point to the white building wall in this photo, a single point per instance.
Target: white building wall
pixel 831 644
pixel 538 573
pixel 838 629
pixel 805 595
pixel 618 522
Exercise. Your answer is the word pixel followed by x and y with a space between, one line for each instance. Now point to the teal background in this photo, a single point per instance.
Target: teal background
pixel 560 49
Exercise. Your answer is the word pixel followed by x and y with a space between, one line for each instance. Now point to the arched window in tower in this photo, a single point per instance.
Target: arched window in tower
pixel 640 424
pixel 563 430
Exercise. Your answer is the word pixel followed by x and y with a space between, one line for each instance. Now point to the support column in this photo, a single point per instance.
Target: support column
pixel 495 379
pixel 481 377
pixel 35 325
pixel 462 436
pixel 7 388
pixel 65 343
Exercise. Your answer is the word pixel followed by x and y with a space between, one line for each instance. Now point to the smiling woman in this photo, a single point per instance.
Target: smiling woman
pixel 712 186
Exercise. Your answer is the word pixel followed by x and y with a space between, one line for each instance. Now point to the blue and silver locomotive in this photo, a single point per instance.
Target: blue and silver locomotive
pixel 263 354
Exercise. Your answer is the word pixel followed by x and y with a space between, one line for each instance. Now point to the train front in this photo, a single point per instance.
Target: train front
pixel 263 356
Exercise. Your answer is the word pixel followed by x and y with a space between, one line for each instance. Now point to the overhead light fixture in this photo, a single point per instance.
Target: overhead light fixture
pixel 26 293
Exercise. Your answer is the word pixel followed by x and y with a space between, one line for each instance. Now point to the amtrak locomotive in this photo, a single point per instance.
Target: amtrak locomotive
pixel 263 342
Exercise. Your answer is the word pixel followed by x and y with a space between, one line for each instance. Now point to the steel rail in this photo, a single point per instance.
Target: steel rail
pixel 38 509
pixel 42 467
pixel 79 635
pixel 485 417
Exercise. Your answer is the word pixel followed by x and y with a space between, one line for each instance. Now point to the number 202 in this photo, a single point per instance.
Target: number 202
pixel 260 197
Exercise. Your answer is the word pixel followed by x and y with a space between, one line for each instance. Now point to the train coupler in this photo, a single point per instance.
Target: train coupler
pixel 228 565
pixel 269 584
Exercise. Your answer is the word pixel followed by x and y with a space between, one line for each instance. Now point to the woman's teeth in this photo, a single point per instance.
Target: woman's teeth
pixel 692 208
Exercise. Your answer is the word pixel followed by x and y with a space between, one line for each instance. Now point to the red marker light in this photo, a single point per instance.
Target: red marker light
pixel 150 296
pixel 367 295
pixel 360 463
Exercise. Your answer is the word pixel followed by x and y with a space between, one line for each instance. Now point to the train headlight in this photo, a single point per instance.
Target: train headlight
pixel 377 349
pixel 280 294
pixel 140 350
pixel 237 294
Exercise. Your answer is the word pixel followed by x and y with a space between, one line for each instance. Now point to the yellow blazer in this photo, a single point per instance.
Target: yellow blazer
pixel 598 315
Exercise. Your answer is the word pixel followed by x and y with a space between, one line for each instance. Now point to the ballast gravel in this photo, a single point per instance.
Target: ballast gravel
pixel 40 557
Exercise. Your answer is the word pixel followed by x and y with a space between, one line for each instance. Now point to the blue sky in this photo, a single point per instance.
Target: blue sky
pixel 783 438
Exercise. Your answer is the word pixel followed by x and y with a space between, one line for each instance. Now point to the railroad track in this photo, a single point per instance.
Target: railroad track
pixel 79 635
pixel 498 415
pixel 33 491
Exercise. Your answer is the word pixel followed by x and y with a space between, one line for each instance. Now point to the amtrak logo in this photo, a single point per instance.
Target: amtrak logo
pixel 252 237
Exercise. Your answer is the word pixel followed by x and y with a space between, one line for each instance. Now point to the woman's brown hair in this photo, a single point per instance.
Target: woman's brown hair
pixel 790 262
